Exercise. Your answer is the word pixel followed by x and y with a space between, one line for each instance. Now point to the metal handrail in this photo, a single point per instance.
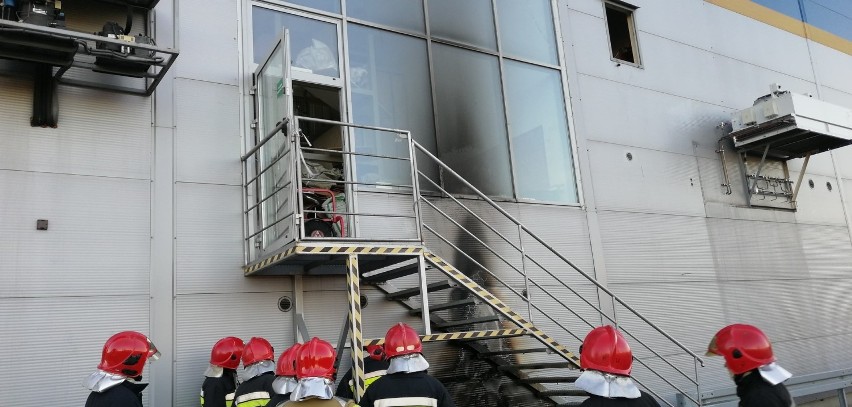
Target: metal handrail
pixel 552 250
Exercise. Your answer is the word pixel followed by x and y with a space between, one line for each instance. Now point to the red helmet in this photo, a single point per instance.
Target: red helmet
pixel 315 359
pixel 605 350
pixel 744 347
pixel 402 339
pixel 256 350
pixel 125 353
pixel 375 352
pixel 227 352
pixel 287 361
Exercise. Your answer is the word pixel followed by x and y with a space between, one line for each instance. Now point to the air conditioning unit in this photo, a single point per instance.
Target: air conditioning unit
pixel 791 125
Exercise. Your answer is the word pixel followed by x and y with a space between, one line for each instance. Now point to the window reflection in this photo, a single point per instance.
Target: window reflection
pixel 526 29
pixel 404 14
pixel 468 21
pixel 541 149
pixel 389 78
pixel 472 135
pixel 313 43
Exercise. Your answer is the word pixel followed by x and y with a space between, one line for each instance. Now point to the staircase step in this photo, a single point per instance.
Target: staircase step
pixel 512 351
pixel 403 270
pixel 570 404
pixel 549 379
pixel 477 320
pixel 542 365
pixel 446 305
pixel 572 392
pixel 411 292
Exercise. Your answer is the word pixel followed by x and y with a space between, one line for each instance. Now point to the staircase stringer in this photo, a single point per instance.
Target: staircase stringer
pixel 501 307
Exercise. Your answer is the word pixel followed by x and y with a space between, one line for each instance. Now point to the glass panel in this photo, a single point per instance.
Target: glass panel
pixel 468 21
pixel 526 29
pixel 390 88
pixel 276 183
pixel 471 124
pixel 541 149
pixel 332 6
pixel 313 43
pixel 404 14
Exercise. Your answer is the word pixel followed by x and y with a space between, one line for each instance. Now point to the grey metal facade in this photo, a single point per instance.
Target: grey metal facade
pixel 143 196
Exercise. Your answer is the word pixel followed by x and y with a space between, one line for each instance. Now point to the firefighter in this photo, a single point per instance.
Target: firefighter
pixel 315 371
pixel 749 358
pixel 406 382
pixel 375 366
pixel 221 376
pixel 606 360
pixel 258 374
pixel 285 371
pixel 122 361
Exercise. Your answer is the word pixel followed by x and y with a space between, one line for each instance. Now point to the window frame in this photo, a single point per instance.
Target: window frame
pixel 630 11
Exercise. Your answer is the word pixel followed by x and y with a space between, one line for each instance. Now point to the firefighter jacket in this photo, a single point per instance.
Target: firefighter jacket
pixel 373 370
pixel 125 394
pixel 219 391
pixel 278 400
pixel 334 402
pixel 255 392
pixel 407 389
pixel 644 400
pixel 754 391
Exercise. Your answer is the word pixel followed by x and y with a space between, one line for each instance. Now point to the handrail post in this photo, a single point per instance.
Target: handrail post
pixel 697 383
pixel 299 204
pixel 527 292
pixel 415 186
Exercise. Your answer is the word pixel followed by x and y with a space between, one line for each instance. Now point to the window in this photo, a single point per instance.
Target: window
pixel 622 32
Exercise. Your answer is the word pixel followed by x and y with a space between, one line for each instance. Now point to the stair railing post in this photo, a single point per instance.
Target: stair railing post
pixel 424 295
pixel 698 382
pixel 415 187
pixel 527 294
pixel 357 341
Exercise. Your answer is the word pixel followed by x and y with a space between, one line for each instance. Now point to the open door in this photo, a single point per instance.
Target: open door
pixel 275 161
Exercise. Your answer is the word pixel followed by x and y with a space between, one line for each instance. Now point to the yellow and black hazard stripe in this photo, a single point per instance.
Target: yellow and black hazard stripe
pixel 337 249
pixel 500 306
pixel 332 248
pixel 449 336
pixel 353 294
pixel 270 260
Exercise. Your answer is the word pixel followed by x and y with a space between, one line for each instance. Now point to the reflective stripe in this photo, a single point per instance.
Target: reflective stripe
pixel 368 379
pixel 254 399
pixel 407 402
pixel 202 399
pixel 229 400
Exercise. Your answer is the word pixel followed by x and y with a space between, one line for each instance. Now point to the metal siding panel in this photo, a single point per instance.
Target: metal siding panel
pixel 65 334
pixel 630 115
pixel 712 178
pixel 207 135
pixel 592 7
pixel 652 181
pixel 847 189
pixel 832 67
pixel 99 133
pixel 818 205
pixel 827 251
pixel 758 44
pixel 564 229
pixel 208 33
pixel 378 227
pixel 201 320
pixel 756 250
pixel 820 164
pixel 98 235
pixel 208 242
pixel 843 157
pixel 660 248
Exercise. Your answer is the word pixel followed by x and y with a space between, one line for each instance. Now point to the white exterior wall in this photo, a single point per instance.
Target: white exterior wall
pixel 144 201
pixel 671 243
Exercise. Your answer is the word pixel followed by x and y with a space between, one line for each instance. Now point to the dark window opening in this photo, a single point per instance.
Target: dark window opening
pixel 622 37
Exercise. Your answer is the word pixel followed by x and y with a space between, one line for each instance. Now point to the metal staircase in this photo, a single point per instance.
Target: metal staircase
pixel 490 287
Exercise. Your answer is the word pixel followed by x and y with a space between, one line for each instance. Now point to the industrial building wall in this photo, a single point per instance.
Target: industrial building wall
pixel 665 236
